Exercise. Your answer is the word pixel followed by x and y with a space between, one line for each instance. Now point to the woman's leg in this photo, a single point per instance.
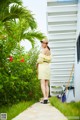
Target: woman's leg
pixel 43 88
pixel 47 88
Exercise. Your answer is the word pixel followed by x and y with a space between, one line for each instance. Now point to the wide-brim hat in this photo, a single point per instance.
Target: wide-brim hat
pixel 44 40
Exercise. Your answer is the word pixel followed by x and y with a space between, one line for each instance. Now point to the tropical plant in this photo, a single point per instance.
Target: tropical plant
pixel 17 23
pixel 17 18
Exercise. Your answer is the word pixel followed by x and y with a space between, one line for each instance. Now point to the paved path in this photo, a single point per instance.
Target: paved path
pixel 40 111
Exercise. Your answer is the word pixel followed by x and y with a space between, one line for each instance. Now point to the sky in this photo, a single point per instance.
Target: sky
pixel 38 8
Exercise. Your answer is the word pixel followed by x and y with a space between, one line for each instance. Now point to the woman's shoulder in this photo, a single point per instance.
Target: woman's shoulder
pixel 41 54
pixel 44 56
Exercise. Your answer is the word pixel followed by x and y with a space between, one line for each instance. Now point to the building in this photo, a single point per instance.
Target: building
pixel 63 31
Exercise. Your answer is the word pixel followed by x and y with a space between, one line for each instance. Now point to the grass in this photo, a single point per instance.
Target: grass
pixel 15 109
pixel 68 109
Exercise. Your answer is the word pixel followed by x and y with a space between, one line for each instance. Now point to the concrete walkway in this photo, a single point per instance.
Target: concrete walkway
pixel 40 111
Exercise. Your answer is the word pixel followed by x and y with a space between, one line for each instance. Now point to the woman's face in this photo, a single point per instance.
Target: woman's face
pixel 43 44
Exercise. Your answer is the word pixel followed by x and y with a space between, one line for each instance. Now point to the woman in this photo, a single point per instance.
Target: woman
pixel 43 61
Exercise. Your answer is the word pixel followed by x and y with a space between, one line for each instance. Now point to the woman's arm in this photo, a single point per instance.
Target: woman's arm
pixel 39 60
pixel 46 58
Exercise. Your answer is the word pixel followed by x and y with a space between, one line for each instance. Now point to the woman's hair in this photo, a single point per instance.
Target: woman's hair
pixel 48 47
pixel 46 51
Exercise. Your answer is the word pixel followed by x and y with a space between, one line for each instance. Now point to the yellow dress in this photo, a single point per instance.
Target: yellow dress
pixel 44 66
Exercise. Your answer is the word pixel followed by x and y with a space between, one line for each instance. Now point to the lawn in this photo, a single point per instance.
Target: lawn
pixel 70 110
pixel 15 109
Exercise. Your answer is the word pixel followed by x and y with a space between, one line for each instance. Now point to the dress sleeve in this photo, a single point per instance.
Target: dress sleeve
pixel 47 58
pixel 44 58
pixel 39 60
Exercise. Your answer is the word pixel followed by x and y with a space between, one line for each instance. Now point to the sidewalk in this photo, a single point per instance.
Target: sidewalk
pixel 40 111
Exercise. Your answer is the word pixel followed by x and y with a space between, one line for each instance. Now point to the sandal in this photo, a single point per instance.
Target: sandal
pixel 45 101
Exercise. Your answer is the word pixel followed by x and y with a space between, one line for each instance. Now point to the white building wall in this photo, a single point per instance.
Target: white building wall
pixel 77 65
pixel 62 26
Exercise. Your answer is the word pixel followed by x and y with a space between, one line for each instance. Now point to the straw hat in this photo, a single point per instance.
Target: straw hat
pixel 45 40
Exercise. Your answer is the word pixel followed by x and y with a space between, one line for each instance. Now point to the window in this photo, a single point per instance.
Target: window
pixel 78 49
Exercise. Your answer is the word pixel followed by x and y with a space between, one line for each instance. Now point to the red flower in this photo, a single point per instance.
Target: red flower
pixel 22 60
pixel 10 58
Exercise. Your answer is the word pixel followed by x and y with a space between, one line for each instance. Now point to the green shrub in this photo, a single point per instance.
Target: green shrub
pixel 20 82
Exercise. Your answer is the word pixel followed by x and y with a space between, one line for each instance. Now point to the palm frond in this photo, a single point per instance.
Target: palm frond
pixel 6 3
pixel 32 35
pixel 20 12
pixel 19 23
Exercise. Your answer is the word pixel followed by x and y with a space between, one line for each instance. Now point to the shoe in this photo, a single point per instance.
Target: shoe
pixel 45 101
